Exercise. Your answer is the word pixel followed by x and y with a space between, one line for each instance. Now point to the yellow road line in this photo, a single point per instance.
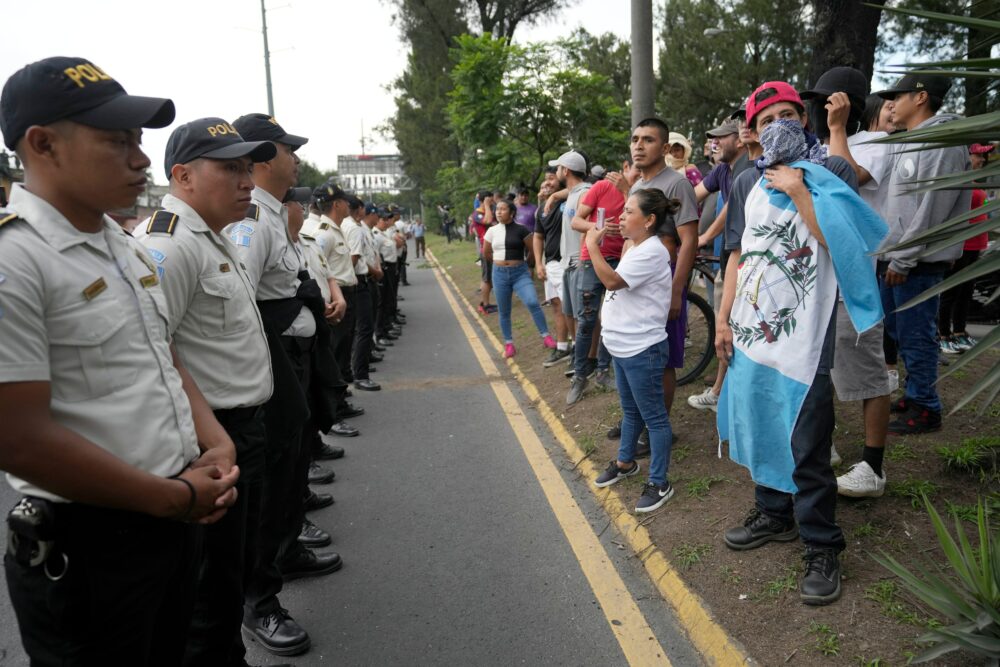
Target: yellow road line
pixel 626 621
pixel 711 640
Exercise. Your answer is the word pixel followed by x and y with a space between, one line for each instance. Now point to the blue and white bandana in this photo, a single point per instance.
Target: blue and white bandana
pixel 786 141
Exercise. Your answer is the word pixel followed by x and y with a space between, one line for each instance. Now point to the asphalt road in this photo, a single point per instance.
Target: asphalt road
pixel 452 553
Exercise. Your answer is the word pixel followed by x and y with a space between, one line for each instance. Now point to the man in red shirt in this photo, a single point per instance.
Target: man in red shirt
pixel 480 223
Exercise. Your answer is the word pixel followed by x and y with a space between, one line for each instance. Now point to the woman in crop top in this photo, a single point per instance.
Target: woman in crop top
pixel 505 244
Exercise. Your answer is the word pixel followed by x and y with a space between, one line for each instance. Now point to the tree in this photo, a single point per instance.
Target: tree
pixel 607 55
pixel 500 18
pixel 846 34
pixel 311 176
pixel 705 77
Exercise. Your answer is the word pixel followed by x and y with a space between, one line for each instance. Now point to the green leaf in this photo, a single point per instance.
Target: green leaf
pixel 961 235
pixel 943 230
pixel 991 380
pixel 984 345
pixel 982 24
pixel 966 62
pixel 985 265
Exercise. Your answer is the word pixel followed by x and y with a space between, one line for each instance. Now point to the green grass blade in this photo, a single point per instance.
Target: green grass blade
pixel 990 381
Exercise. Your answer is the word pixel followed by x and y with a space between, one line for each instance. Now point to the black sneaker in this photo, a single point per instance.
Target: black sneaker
pixel 821 583
pixel 613 474
pixel 654 497
pixel 555 356
pixel 898 406
pixel 615 431
pixel 916 420
pixel 642 449
pixel 758 529
pixel 320 475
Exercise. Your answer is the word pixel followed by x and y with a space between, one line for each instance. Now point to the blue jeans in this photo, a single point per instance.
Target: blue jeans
pixel 640 390
pixel 590 294
pixel 506 281
pixel 915 333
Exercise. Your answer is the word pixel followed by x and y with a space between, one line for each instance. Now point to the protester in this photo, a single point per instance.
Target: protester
pixel 506 250
pixel 634 321
pixel 916 102
pixel 482 218
pixel 419 242
pixel 546 243
pixel 802 206
pixel 571 171
pixel 526 210
pixel 679 158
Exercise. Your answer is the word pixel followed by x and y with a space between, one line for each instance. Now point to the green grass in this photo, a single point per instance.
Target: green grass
pixel 587 444
pixel 777 587
pixel 866 529
pixel 827 641
pixel 912 490
pixel 970 513
pixel 875 662
pixel 729 575
pixel 974 456
pixel 886 594
pixel 900 452
pixel 678 454
pixel 688 555
pixel 700 486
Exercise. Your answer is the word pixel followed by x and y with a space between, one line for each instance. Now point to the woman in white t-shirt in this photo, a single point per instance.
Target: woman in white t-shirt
pixel 634 320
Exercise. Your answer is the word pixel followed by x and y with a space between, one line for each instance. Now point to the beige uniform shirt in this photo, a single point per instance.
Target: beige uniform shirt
pixel 216 328
pixel 333 245
pixel 354 234
pixel 319 270
pixel 85 313
pixel 386 242
pixel 272 261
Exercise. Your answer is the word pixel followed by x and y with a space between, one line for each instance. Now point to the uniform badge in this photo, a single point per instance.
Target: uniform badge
pixel 93 289
pixel 157 256
pixel 224 267
pixel 149 281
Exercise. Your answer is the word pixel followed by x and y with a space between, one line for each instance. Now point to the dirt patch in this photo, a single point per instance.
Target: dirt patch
pixel 755 594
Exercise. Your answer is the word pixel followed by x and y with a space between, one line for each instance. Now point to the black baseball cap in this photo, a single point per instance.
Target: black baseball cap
pixel 384 213
pixel 840 80
pixel 739 114
pixel 62 88
pixel 330 192
pixel 212 138
pixel 370 208
pixel 935 85
pixel 353 201
pixel 301 195
pixel 261 127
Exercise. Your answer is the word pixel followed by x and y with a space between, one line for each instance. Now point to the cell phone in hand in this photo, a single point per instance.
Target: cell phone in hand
pixel 600 218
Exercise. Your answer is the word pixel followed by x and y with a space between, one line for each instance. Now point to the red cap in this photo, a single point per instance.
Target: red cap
pixel 981 149
pixel 782 93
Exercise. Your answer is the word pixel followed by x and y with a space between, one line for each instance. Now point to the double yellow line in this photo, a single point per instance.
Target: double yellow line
pixel 636 638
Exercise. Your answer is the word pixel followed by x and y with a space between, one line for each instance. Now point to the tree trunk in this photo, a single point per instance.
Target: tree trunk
pixel 979 44
pixel 846 35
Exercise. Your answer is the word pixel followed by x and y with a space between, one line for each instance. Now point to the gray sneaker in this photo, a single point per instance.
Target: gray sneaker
pixel 576 390
pixel 603 379
pixel 555 356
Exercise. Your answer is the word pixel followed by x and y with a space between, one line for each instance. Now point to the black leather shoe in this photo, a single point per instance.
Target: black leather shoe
pixel 317 501
pixel 759 529
pixel 367 385
pixel 384 342
pixel 378 348
pixel 373 369
pixel 348 410
pixel 313 536
pixel 615 431
pixel 326 452
pixel 277 633
pixel 395 331
pixel 388 335
pixel 344 430
pixel 821 583
pixel 308 563
pixel 374 356
pixel 320 475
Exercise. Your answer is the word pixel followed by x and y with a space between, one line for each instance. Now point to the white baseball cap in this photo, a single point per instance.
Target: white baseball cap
pixel 572 161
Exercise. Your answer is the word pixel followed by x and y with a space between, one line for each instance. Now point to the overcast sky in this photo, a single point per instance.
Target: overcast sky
pixel 207 56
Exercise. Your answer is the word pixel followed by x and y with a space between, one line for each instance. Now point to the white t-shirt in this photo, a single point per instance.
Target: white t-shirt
pixel 635 317
pixel 877 161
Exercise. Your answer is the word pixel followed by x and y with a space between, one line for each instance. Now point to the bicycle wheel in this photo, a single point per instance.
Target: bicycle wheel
pixel 699 344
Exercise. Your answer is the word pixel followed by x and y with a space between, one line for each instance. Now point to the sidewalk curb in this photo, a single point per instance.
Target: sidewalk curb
pixel 694 617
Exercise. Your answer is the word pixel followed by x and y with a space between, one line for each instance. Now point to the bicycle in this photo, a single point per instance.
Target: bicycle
pixel 699 338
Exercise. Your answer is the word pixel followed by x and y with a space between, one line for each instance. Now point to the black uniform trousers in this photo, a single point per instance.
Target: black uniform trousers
pixel 364 328
pixel 125 598
pixel 343 334
pixel 230 551
pixel 300 355
pixel 387 305
pixel 402 265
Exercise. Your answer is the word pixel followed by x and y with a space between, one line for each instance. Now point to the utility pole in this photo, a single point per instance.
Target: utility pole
pixel 642 60
pixel 363 137
pixel 267 60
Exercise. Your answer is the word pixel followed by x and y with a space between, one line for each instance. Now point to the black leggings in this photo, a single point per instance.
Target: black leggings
pixel 954 308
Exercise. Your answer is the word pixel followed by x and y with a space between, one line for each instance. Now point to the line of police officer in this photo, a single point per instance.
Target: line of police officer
pixel 182 377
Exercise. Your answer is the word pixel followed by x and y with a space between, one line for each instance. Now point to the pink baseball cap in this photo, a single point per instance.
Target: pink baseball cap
pixel 981 149
pixel 770 93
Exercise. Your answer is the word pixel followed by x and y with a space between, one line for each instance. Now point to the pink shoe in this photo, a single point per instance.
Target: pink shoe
pixel 509 351
pixel 549 342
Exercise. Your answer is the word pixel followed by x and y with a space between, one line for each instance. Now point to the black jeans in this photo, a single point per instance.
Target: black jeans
pixel 954 308
pixel 387 306
pixel 126 597
pixel 230 551
pixel 401 277
pixel 814 504
pixel 364 328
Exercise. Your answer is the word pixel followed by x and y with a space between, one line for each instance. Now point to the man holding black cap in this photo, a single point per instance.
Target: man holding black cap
pixel 219 336
pixel 276 268
pixel 101 561
pixel 916 101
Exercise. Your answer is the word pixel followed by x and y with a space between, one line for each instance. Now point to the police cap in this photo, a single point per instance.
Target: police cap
pixel 261 127
pixel 61 88
pixel 215 139
pixel 329 192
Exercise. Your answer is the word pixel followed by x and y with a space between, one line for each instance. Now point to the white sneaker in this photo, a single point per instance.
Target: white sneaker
pixel 893 380
pixel 861 482
pixel 706 400
pixel 835 459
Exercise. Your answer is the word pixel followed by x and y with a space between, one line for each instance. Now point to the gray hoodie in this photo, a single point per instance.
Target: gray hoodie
pixel 911 214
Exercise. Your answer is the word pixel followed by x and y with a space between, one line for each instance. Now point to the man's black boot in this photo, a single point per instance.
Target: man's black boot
pixel 277 632
pixel 821 583
pixel 758 529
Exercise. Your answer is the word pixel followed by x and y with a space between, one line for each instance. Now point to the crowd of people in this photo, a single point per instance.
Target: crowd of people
pixel 168 396
pixel 802 208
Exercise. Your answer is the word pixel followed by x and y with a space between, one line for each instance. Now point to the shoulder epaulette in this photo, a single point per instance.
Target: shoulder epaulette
pixel 253 213
pixel 6 216
pixel 162 222
pixel 324 225
pixel 309 237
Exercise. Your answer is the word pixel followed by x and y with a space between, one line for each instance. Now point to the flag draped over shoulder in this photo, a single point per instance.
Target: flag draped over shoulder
pixel 785 297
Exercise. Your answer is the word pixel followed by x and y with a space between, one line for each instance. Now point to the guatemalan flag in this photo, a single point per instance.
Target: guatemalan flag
pixel 785 296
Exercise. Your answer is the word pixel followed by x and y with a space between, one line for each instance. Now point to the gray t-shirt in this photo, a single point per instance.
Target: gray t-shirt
pixel 569 242
pixel 743 185
pixel 674 186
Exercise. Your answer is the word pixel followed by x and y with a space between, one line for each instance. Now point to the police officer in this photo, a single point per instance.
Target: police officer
pixel 385 237
pixel 368 270
pixel 219 336
pixel 102 425
pixel 275 268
